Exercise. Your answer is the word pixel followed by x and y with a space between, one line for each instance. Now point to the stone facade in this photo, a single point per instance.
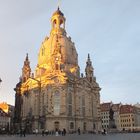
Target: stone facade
pixel 56 96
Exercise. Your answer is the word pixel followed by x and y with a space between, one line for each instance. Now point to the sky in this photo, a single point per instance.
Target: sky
pixel 107 29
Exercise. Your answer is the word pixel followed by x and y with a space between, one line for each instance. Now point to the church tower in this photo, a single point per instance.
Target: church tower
pixel 89 70
pixel 26 70
pixel 58 22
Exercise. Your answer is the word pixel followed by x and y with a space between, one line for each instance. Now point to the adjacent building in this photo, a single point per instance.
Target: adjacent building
pixel 126 117
pixel 6 116
pixel 137 115
pixel 4 121
pixel 129 118
pixel 57 96
pixel 105 108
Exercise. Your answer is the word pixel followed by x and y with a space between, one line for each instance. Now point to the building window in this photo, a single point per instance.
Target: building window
pixel 56 66
pixel 94 126
pixel 71 125
pixel 57 103
pixel 43 50
pixel 84 126
pixel 83 105
pixel 70 110
pixel 70 98
pixel 69 104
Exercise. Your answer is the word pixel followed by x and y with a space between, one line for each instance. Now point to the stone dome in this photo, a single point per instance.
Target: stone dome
pixel 58 48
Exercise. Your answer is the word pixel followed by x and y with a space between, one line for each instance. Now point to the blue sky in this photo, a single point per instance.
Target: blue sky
pixel 107 29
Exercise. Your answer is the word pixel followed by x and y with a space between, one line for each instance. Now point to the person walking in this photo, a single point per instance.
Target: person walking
pixel 24 132
pixel 43 132
pixel 36 132
pixel 20 132
pixel 79 132
pixel 64 132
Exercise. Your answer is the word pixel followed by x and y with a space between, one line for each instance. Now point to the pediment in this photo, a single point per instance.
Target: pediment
pixel 58 79
pixel 30 83
pixel 84 82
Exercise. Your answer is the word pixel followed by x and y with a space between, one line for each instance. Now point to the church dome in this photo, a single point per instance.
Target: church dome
pixel 63 43
pixel 58 48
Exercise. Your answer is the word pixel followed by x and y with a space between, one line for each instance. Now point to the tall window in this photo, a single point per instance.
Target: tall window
pixel 56 66
pixel 84 126
pixel 71 125
pixel 83 105
pixel 69 104
pixel 57 103
pixel 42 51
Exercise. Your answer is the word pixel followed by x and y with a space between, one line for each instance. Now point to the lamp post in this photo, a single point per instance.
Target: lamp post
pixel 0 80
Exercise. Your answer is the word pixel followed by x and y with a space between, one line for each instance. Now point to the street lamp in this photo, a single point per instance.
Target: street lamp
pixel 0 80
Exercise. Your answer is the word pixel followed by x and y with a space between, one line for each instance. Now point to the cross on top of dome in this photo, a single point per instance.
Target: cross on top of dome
pixel 58 12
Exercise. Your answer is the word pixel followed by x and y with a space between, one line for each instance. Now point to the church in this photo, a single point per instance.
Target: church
pixel 56 95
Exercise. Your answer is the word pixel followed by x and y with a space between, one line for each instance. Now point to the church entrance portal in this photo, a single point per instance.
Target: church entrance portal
pixel 56 126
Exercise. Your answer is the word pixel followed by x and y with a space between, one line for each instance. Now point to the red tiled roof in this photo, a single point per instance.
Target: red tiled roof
pixel 105 106
pixel 126 109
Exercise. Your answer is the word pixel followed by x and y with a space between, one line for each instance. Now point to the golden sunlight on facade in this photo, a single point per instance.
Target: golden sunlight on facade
pixel 4 106
pixel 56 96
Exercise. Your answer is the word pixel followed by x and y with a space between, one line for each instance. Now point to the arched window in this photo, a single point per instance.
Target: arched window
pixel 71 125
pixel 54 23
pixel 83 105
pixel 24 79
pixel 61 23
pixel 84 126
pixel 69 104
pixel 57 103
pixel 70 98
pixel 43 51
pixel 56 66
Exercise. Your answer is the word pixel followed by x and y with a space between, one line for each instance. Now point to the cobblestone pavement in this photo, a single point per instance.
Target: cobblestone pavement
pixel 130 136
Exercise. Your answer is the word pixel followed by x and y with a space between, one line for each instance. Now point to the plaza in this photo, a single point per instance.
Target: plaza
pixel 129 136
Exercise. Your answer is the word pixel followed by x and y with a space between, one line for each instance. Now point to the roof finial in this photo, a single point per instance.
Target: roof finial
pixel 26 56
pixel 88 56
pixel 58 4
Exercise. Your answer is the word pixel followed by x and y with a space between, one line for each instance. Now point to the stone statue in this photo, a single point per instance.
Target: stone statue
pixel 111 114
pixel 112 125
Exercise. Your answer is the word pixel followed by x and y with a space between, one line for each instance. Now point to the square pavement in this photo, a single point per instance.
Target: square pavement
pixel 130 136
